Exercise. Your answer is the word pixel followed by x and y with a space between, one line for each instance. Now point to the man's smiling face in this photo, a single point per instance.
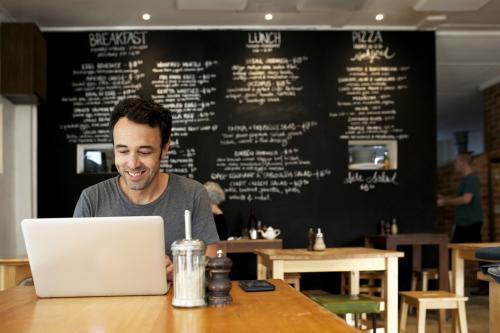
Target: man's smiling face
pixel 138 153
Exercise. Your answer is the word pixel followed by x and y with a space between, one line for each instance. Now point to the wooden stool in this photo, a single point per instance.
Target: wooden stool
pixel 426 275
pixel 370 283
pixel 429 300
pixel 293 279
pixel 344 304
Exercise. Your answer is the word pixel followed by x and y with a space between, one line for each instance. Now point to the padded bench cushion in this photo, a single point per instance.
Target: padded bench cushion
pixel 342 304
pixel 488 253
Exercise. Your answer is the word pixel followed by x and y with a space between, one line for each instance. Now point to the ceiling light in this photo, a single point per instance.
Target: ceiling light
pixel 268 17
pixel 146 16
pixel 379 17
pixel 436 18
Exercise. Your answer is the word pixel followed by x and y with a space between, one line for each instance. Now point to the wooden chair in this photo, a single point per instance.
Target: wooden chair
pixel 425 275
pixel 293 279
pixel 370 283
pixel 430 300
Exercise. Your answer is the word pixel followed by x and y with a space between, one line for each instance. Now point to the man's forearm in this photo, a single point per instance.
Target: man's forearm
pixel 457 201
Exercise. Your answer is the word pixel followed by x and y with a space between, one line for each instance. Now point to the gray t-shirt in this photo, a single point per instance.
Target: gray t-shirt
pixel 107 199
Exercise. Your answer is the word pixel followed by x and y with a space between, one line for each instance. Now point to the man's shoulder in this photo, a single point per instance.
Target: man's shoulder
pixel 185 184
pixel 105 185
pixel 472 177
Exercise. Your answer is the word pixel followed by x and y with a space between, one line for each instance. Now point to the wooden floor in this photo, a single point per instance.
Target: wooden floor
pixel 477 317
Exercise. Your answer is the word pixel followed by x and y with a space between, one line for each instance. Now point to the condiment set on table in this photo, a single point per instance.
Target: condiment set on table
pixel 265 232
pixel 190 273
pixel 316 241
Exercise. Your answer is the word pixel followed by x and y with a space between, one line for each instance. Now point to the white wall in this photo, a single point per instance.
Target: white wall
pixel 18 179
pixel 447 149
pixel 7 184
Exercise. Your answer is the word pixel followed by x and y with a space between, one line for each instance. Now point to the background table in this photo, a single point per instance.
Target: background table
pixel 416 240
pixel 348 259
pixel 13 271
pixel 284 310
pixel 459 253
pixel 249 245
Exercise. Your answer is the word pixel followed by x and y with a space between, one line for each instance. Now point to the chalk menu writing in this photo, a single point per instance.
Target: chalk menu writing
pixel 271 165
pixel 186 88
pixel 278 133
pixel 367 99
pixel 98 85
pixel 366 90
pixel 368 181
pixel 265 80
pixel 257 174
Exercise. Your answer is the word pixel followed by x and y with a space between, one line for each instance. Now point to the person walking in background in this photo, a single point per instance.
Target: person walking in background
pixel 467 202
pixel 216 195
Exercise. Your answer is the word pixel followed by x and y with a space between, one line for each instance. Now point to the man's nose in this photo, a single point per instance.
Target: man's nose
pixel 133 161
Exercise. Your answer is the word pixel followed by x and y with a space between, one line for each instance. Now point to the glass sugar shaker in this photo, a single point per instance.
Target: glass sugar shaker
pixel 189 269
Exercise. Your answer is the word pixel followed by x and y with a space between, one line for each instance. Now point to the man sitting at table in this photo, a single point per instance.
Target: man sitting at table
pixel 140 132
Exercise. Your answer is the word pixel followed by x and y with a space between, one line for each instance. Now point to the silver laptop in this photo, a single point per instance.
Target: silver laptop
pixel 99 256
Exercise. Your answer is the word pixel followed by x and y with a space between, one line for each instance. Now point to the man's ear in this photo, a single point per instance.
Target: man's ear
pixel 164 150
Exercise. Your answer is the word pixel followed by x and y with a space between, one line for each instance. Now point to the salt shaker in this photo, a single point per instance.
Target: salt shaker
pixel 394 227
pixel 319 243
pixel 189 269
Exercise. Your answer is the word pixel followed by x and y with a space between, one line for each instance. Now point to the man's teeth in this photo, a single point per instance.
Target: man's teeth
pixel 134 174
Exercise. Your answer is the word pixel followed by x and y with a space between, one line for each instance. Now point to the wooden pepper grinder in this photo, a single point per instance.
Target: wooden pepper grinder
pixel 220 284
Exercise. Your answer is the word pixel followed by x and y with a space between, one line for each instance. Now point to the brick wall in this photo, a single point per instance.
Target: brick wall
pixel 492 118
pixel 495 192
pixel 492 145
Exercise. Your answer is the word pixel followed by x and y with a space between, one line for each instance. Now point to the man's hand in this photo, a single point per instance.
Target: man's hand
pixel 170 268
pixel 441 200
pixel 464 199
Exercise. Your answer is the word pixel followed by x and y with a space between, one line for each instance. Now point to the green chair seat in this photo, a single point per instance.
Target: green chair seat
pixel 343 304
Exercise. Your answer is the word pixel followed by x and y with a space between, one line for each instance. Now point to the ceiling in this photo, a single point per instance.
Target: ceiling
pixel 467 43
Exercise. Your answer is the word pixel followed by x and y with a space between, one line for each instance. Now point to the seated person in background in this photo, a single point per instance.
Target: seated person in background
pixel 216 196
pixel 141 131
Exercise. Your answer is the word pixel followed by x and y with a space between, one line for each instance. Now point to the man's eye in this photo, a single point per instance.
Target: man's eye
pixel 122 151
pixel 145 152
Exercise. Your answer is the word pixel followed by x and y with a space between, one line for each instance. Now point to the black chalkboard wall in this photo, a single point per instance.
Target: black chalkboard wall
pixel 270 115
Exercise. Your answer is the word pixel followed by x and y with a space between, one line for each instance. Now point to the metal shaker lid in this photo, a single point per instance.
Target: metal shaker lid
pixel 188 244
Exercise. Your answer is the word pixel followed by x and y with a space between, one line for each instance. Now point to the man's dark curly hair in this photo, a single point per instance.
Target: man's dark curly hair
pixel 145 112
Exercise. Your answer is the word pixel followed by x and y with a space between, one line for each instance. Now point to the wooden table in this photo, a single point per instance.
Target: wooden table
pixel 348 259
pixel 459 253
pixel 416 240
pixel 249 245
pixel 284 310
pixel 494 299
pixel 13 271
